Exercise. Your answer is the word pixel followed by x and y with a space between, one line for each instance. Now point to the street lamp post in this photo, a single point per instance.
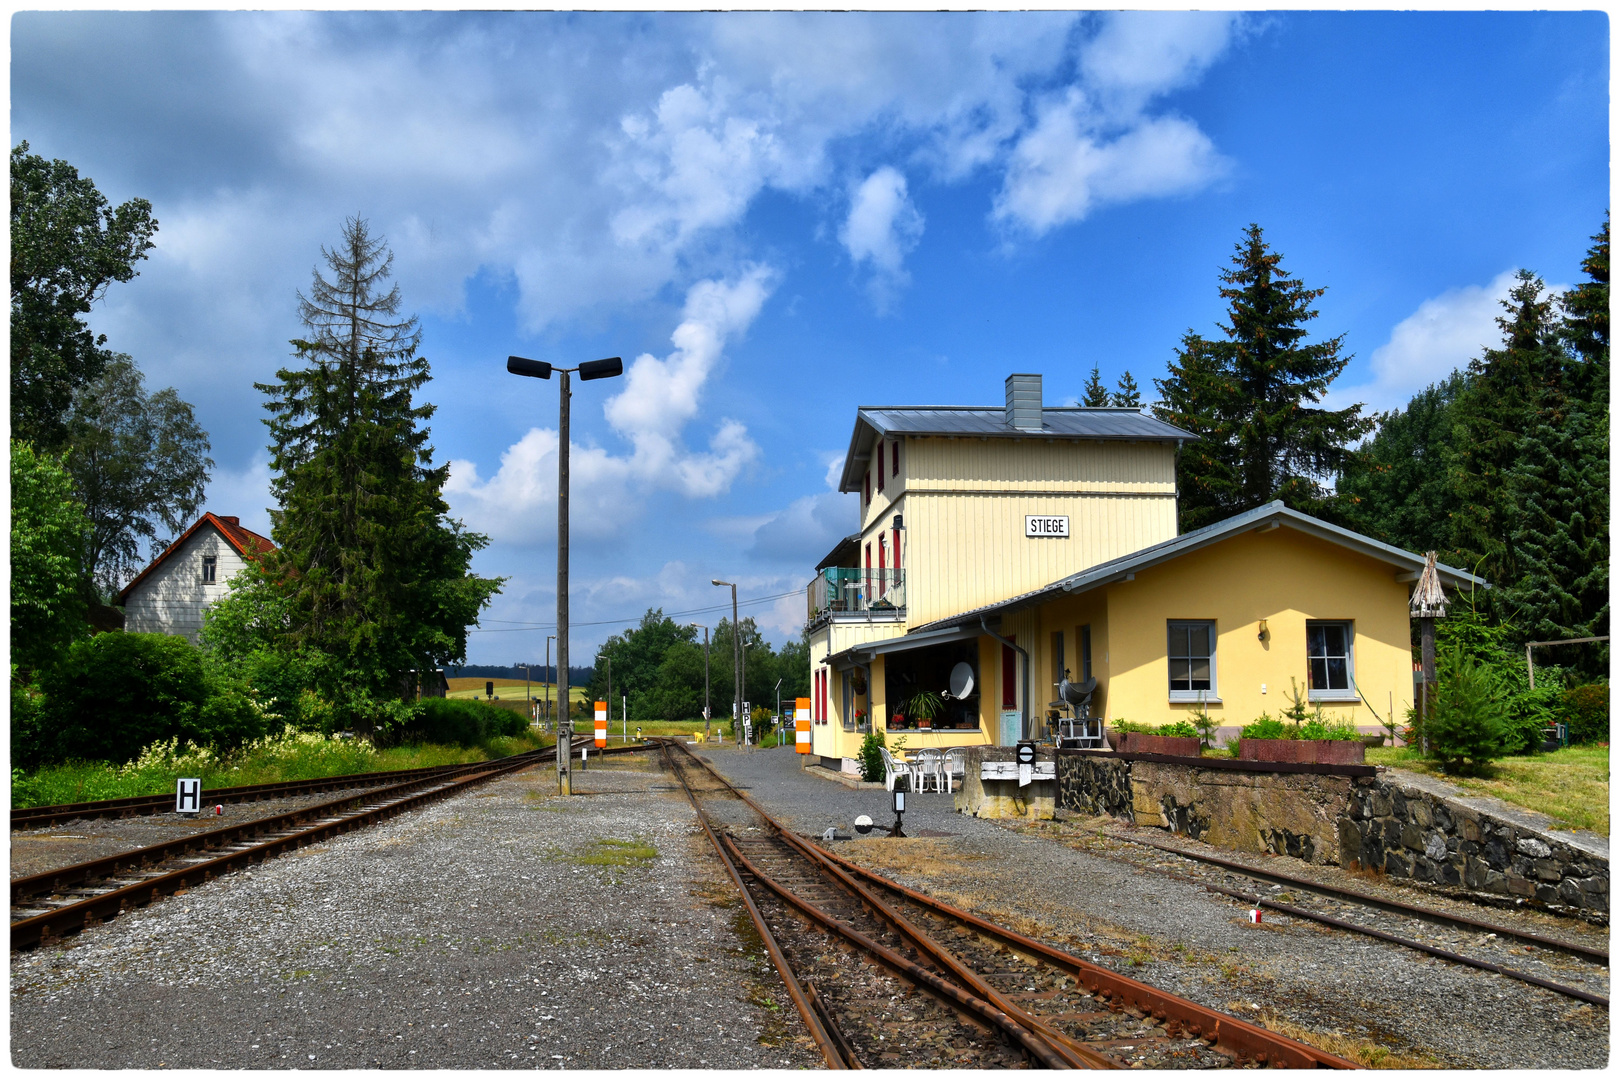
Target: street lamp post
pixel 539 369
pixel 737 683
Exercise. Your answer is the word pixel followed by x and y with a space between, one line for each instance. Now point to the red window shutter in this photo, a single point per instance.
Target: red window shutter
pixel 866 482
pixel 897 553
pixel 1009 677
pixel 894 457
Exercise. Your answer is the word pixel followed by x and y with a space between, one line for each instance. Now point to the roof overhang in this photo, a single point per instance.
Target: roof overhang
pixel 849 545
pixel 864 653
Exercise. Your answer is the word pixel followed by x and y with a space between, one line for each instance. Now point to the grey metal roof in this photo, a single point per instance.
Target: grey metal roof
pixel 874 422
pixel 846 546
pixel 1271 515
pixel 866 650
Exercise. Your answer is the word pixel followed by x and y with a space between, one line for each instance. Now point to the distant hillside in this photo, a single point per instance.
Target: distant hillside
pixel 577 676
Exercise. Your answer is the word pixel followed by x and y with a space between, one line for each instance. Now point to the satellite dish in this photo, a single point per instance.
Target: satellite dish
pixel 1077 693
pixel 961 680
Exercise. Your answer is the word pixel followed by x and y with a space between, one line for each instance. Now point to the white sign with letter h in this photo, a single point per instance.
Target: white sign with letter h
pixel 187 796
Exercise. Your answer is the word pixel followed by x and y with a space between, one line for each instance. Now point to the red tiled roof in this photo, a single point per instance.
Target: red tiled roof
pixel 247 543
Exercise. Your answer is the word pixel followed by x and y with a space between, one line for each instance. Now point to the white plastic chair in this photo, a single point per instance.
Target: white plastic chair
pixel 893 769
pixel 929 760
pixel 953 765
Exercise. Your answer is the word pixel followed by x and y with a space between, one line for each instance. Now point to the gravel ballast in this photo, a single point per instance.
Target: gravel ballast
pixel 505 928
pixel 1349 991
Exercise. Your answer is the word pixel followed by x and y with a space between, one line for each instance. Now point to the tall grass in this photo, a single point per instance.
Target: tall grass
pixel 291 755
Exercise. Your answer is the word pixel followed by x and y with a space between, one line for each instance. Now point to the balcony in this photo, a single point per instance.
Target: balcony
pixel 849 590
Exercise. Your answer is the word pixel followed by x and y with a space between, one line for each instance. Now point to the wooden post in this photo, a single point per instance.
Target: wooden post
pixel 1428 603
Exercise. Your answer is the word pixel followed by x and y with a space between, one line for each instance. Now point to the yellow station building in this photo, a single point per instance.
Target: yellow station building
pixel 1025 540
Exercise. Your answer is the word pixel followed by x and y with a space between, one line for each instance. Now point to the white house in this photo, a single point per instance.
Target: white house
pixel 171 595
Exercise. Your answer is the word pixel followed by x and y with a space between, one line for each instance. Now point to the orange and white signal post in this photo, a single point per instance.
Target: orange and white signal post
pixel 801 725
pixel 601 724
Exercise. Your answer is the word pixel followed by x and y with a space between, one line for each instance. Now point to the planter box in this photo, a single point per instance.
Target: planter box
pixel 1304 751
pixel 1134 742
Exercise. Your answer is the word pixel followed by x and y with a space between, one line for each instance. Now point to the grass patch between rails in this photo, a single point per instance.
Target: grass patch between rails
pixel 273 759
pixel 1570 785
pixel 610 852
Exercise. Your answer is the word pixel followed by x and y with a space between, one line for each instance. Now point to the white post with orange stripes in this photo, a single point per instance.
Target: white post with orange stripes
pixel 601 724
pixel 801 725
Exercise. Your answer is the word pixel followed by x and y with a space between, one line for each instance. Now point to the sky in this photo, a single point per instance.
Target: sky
pixel 775 218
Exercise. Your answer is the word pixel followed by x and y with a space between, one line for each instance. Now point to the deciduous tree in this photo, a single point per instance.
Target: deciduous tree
pixel 48 530
pixel 67 245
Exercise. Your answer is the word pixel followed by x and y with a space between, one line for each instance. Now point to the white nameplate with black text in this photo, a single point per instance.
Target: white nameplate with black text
pixel 1037 526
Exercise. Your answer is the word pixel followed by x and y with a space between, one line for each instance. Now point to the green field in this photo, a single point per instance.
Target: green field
pixel 1571 785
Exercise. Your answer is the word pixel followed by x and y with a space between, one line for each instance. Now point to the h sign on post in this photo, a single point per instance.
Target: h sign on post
pixel 801 725
pixel 187 796
pixel 601 724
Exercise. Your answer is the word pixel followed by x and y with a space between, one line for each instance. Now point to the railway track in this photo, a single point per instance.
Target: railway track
pixel 887 977
pixel 1354 912
pixel 71 898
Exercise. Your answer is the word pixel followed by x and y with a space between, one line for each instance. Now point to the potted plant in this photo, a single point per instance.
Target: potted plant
pixel 925 705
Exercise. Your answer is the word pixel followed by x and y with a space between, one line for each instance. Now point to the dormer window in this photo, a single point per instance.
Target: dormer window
pixel 209 564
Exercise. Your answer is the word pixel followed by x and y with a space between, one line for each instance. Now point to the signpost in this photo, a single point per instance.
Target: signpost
pixel 188 796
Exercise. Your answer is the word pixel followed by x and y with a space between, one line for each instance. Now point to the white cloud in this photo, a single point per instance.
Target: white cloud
pixel 1442 335
pixel 1139 55
pixel 242 494
pixel 660 398
pixel 882 228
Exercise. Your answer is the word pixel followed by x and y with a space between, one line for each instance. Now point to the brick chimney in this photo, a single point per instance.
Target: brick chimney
pixel 231 521
pixel 1024 402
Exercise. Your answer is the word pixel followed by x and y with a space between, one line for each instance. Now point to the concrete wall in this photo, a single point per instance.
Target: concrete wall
pixel 173 598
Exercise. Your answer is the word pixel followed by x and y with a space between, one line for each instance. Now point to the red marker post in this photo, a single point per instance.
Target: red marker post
pixel 601 724
pixel 801 725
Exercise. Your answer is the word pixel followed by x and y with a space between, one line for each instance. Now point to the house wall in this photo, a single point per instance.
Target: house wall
pixel 173 598
pixel 1283 576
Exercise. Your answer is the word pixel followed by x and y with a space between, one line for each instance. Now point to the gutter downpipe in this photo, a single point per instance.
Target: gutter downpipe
pixel 1020 651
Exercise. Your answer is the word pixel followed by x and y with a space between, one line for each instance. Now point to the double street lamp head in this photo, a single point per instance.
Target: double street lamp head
pixel 590 369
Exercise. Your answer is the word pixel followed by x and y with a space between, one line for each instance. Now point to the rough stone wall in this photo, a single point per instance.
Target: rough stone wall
pixel 1285 813
pixel 1095 785
pixel 1412 833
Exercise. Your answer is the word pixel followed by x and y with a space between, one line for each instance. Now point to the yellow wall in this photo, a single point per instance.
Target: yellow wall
pixel 1283 576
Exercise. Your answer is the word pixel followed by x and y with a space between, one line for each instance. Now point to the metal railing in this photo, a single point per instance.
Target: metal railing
pixel 841 590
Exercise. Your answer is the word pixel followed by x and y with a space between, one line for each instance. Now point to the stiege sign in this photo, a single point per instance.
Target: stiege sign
pixel 1037 526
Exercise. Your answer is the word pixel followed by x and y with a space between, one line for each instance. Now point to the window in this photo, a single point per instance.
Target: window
pixel 1192 661
pixel 894 458
pixel 1058 658
pixel 883 564
pixel 1085 652
pixel 849 701
pixel 877 466
pixel 1009 675
pixel 866 480
pixel 1327 648
pixel 209 564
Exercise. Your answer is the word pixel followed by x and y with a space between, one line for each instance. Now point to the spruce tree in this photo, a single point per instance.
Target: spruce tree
pixel 375 574
pixel 1255 393
pixel 1399 489
pixel 1128 395
pixel 1096 393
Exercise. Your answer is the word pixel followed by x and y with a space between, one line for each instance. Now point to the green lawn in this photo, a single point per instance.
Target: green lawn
pixel 1571 785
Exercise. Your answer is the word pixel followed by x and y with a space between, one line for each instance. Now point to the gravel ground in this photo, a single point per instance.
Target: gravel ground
pixel 1350 994
pixel 505 928
pixel 34 851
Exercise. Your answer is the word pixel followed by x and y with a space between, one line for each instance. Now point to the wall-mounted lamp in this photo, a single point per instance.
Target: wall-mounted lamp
pixel 1264 633
pixel 900 522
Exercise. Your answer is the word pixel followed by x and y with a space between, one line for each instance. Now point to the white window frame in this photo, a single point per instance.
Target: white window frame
pixel 1348 694
pixel 1194 696
pixel 210 570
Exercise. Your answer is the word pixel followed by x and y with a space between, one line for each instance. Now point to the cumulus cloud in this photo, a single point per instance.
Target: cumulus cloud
pixel 882 228
pixel 660 398
pixel 1442 335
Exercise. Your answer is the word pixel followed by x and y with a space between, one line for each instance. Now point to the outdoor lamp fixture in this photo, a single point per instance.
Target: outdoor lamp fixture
pixel 899 811
pixel 1264 633
pixel 737 682
pixel 539 369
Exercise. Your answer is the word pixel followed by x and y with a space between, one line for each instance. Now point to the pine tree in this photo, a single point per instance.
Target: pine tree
pixel 1128 395
pixel 1255 393
pixel 1096 393
pixel 1586 306
pixel 375 573
pixel 1507 388
pixel 1399 490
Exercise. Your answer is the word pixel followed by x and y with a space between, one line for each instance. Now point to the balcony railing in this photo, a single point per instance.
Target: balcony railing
pixel 840 590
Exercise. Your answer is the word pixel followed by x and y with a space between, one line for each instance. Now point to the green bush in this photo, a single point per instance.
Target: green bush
pixel 872 757
pixel 1178 729
pixel 1586 711
pixel 1264 727
pixel 115 693
pixel 458 722
pixel 1468 725
pixel 1319 727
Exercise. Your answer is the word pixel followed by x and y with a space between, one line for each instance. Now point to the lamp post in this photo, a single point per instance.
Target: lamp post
pixel 737 683
pixel 705 681
pixel 539 369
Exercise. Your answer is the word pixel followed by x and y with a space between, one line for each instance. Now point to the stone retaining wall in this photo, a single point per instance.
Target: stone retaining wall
pixel 1406 831
pixel 1411 827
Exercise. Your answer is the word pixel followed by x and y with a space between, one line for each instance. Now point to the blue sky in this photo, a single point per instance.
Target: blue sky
pixel 775 218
